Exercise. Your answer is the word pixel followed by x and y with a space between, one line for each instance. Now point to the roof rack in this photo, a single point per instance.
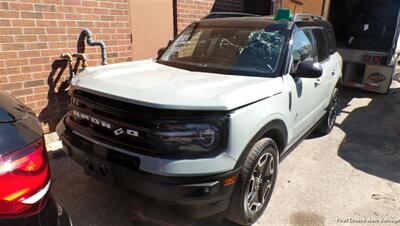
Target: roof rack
pixel 215 15
pixel 306 16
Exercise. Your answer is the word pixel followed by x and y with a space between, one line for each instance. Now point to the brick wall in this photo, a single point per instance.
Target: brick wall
pixel 33 33
pixel 304 6
pixel 191 10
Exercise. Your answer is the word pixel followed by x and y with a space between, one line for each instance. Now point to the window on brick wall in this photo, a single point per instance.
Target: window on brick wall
pixel 261 7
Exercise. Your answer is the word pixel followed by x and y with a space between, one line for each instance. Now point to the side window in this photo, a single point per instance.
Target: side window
pixel 330 35
pixel 321 44
pixel 302 49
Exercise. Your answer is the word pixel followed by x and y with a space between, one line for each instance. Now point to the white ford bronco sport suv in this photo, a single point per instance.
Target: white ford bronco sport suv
pixel 204 126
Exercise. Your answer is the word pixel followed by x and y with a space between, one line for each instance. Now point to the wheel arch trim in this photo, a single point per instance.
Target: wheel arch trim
pixel 276 125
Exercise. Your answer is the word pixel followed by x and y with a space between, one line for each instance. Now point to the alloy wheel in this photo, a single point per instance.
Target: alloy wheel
pixel 260 184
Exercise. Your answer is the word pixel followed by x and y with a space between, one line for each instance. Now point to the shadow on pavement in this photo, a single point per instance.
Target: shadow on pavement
pixel 92 202
pixel 372 133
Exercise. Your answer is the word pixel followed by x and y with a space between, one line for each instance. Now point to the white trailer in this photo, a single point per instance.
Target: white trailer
pixel 367 33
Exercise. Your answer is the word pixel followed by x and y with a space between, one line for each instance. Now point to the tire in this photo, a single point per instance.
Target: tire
pixel 328 121
pixel 256 182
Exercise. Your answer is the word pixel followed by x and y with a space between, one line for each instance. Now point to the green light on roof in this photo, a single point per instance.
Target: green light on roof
pixel 284 14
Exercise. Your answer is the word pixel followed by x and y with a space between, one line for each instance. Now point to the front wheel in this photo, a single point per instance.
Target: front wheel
pixel 255 184
pixel 328 121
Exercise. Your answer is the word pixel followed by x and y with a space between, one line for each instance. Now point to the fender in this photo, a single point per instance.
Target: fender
pixel 272 126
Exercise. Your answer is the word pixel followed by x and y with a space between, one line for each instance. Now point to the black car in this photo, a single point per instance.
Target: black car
pixel 25 198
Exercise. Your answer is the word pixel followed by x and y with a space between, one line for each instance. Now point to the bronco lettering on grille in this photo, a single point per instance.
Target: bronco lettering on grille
pixel 105 124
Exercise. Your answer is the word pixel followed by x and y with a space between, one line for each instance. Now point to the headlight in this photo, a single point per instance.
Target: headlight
pixel 190 137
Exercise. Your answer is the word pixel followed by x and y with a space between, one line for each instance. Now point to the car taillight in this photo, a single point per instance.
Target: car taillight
pixel 367 59
pixel 377 59
pixel 25 181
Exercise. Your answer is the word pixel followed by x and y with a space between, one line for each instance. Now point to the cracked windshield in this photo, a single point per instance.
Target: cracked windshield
pixel 241 51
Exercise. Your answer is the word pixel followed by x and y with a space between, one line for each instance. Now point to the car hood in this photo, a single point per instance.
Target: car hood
pixel 11 110
pixel 155 85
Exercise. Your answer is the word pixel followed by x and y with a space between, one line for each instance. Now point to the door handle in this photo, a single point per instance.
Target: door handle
pixel 317 82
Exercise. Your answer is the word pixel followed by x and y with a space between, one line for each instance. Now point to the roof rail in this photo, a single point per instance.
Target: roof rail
pixel 215 15
pixel 308 16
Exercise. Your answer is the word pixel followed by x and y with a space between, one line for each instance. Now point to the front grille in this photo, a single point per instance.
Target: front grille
pixel 143 143
pixel 143 120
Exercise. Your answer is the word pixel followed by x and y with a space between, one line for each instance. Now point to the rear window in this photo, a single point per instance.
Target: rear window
pixel 321 44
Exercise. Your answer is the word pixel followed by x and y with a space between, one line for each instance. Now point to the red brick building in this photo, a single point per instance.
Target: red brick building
pixel 33 34
pixel 190 10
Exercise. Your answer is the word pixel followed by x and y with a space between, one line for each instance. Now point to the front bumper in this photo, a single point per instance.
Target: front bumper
pixel 192 196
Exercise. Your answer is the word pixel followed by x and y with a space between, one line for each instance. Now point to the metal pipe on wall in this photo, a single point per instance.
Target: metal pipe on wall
pixel 89 35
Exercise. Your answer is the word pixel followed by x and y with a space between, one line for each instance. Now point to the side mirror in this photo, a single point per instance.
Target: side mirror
pixel 309 69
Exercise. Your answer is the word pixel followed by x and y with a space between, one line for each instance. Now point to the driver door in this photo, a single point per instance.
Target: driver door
pixel 306 94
